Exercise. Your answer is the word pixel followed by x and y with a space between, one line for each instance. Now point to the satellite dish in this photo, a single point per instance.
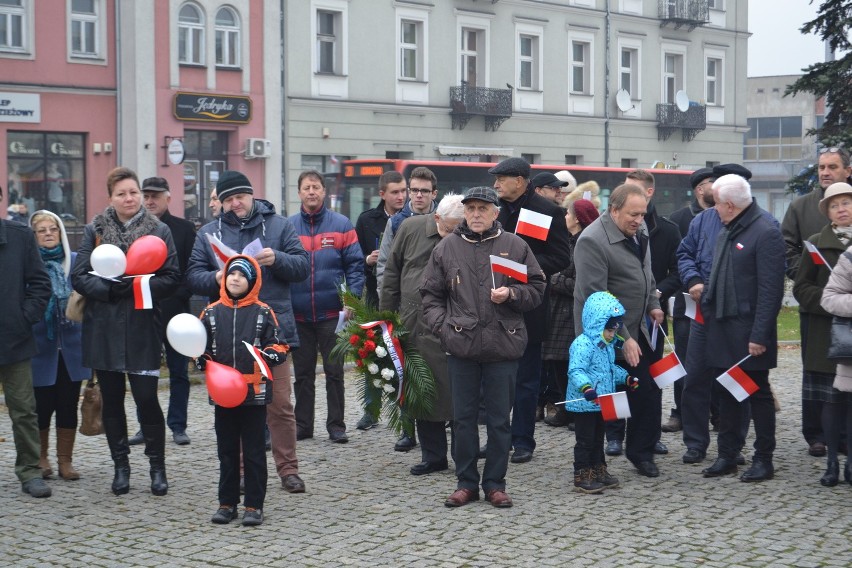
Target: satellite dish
pixel 682 101
pixel 622 100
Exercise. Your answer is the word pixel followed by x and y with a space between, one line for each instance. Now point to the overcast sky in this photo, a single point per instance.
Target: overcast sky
pixel 776 46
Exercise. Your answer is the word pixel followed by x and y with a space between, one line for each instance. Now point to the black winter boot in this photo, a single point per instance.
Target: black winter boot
pixel 155 449
pixel 116 435
pixel 585 482
pixel 831 475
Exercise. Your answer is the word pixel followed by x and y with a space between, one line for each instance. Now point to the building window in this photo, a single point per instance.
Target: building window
pixel 580 67
pixel 191 35
pixel 472 56
pixel 773 139
pixel 629 163
pixel 12 25
pixel 713 95
pixel 528 58
pixel 410 50
pixel 672 76
pixel 716 4
pixel 573 159
pixel 328 42
pixel 532 158
pixel 227 38
pixel 628 71
pixel 84 28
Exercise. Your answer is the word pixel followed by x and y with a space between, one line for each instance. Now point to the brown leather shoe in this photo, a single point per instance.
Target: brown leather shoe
pixel 817 449
pixel 293 483
pixel 498 498
pixel 461 497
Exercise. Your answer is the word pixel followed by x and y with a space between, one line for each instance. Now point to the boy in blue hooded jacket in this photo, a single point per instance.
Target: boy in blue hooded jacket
pixel 591 372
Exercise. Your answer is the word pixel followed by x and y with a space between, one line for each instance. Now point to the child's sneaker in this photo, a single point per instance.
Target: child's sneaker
pixel 252 517
pixel 225 514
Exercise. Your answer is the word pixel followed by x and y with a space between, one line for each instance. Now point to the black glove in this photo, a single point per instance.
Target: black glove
pixel 589 393
pixel 274 357
pixel 122 289
pixel 201 362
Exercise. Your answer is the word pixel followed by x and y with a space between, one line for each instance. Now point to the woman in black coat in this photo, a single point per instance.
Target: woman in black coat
pixel 120 340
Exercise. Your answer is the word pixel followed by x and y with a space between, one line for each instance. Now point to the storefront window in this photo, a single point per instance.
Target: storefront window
pixel 47 171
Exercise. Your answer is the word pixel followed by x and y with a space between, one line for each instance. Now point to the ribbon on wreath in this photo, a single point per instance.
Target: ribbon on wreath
pixel 142 299
pixel 394 350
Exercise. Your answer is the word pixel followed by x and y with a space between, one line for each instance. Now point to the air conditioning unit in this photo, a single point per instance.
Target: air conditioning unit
pixel 258 148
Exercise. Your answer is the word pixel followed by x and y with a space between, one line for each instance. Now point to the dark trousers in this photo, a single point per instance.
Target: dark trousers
pixel 733 413
pixel 235 426
pixel 433 440
pixel 497 380
pixel 178 389
pixel 315 337
pixel 646 409
pixel 527 385
pixel 680 327
pixel 555 376
pixel 61 398
pixel 589 434
pixel 697 387
pixel 811 409
pixel 144 390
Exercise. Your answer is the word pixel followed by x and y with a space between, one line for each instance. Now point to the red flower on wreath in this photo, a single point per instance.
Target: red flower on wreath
pixel 362 353
pixel 354 339
pixel 359 363
pixel 370 334
pixel 370 345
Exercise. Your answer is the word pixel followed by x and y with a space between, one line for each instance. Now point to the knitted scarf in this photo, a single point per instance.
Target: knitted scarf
pixel 112 231
pixel 721 290
pixel 60 289
pixel 843 234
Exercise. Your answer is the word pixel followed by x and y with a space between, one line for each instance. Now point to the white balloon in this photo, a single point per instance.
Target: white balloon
pixel 186 335
pixel 108 260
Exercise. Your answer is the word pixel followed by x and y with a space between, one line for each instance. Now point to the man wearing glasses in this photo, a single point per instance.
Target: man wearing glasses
pixel 803 219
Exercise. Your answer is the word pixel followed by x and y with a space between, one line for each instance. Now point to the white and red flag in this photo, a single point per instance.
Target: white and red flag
pixel 693 310
pixel 816 256
pixel 533 224
pixel 738 383
pixel 257 355
pixel 508 267
pixel 221 251
pixel 142 299
pixel 667 370
pixel 614 406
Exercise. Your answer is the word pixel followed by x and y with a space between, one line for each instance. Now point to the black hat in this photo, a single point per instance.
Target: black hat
pixel 547 179
pixel 483 193
pixel 736 169
pixel 155 184
pixel 230 183
pixel 700 175
pixel 614 322
pixel 511 167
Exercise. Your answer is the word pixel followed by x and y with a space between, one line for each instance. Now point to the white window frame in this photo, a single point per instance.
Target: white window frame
pixel 587 41
pixel 23 16
pixel 334 38
pixel 678 75
pixel 714 84
pixel 716 4
pixel 533 61
pixel 635 69
pixel 91 25
pixel 229 36
pixel 189 32
pixel 482 27
pixel 420 47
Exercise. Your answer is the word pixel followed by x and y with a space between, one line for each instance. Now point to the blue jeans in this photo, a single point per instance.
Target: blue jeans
pixel 527 385
pixel 178 389
pixel 497 381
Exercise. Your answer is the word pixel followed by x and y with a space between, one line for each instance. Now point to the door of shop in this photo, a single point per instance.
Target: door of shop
pixel 206 158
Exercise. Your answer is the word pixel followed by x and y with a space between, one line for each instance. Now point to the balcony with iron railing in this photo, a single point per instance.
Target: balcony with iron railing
pixel 691 122
pixel 493 104
pixel 690 13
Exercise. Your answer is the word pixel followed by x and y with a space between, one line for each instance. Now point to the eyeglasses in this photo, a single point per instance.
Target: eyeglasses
pixel 832 150
pixel 50 231
pixel 417 191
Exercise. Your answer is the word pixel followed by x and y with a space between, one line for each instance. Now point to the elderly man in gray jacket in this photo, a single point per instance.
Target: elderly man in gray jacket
pixel 612 254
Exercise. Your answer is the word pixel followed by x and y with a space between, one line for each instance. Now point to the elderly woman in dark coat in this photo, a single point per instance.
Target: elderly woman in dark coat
pixel 560 332
pixel 57 369
pixel 119 340
pixel 811 280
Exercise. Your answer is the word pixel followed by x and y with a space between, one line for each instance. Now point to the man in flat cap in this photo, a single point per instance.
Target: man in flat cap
pixel 803 219
pixel 553 255
pixel 549 186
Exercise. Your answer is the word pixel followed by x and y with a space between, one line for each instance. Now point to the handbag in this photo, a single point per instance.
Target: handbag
pixel 92 424
pixel 75 307
pixel 841 339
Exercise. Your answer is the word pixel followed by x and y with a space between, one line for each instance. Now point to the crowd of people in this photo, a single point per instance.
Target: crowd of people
pixel 579 316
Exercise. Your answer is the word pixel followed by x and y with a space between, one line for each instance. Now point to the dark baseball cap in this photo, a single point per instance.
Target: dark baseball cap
pixel 736 169
pixel 511 167
pixel 482 193
pixel 547 179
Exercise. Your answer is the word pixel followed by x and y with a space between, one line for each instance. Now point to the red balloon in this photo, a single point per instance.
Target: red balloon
pixel 225 385
pixel 146 255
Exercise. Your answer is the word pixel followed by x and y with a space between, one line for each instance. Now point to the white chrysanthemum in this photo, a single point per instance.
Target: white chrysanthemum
pixel 377 383
pixel 388 387
pixel 387 374
pixel 373 369
pixel 381 351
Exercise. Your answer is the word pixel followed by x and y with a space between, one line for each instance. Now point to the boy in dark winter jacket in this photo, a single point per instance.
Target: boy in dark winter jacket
pixel 240 317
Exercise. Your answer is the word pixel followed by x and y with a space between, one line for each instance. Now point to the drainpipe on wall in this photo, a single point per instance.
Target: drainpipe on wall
pixel 118 128
pixel 606 87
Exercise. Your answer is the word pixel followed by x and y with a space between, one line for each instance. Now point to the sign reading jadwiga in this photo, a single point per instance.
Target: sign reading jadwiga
pixel 210 107
pixel 20 107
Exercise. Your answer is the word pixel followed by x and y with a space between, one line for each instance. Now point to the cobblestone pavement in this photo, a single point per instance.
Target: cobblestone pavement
pixel 363 508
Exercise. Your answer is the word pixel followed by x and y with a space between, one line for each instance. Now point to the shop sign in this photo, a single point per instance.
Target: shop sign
pixel 20 107
pixel 209 107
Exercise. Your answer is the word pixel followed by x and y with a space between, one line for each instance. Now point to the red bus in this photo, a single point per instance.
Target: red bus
pixel 355 188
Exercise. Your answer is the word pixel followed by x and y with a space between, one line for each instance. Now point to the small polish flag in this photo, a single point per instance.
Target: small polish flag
pixel 693 310
pixel 614 406
pixel 220 250
pixel 533 224
pixel 508 267
pixel 257 355
pixel 740 246
pixel 667 370
pixel 142 298
pixel 816 256
pixel 738 383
